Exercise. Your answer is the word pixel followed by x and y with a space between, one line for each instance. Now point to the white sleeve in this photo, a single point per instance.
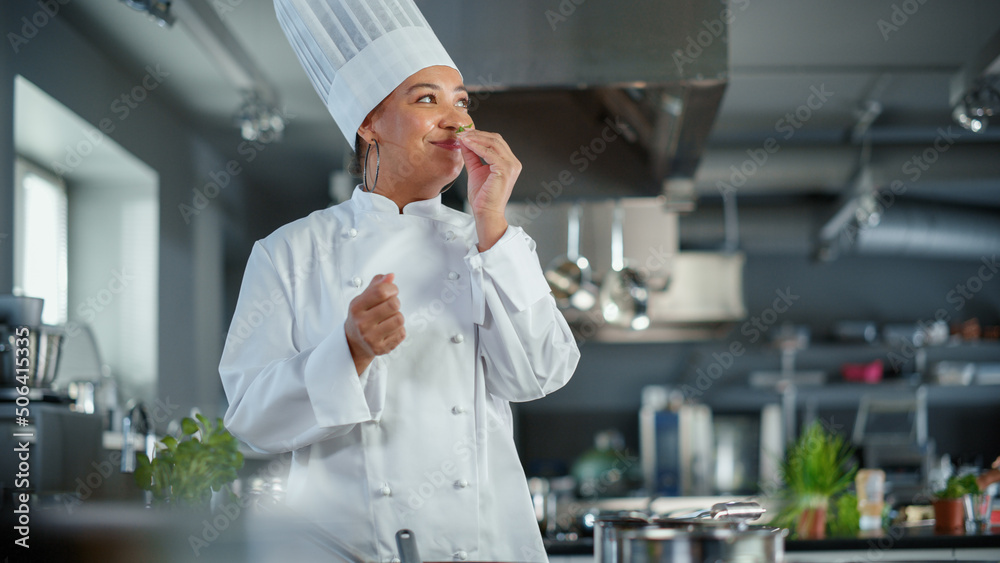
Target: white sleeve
pixel 527 348
pixel 282 398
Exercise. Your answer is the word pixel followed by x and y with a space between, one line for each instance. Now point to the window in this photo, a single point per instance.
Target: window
pixel 40 247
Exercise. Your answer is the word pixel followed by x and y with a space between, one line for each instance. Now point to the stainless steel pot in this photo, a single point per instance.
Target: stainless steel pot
pixel 724 535
pixel 43 344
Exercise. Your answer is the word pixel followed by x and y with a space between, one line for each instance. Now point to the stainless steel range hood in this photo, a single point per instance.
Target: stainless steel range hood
pixel 598 98
pixel 603 99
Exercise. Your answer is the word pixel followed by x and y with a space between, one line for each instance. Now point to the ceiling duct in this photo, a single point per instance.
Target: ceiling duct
pixel 598 98
pixel 932 231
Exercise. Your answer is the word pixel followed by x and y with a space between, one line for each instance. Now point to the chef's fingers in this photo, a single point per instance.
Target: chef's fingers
pixel 369 317
pixel 486 144
pixel 472 160
pixel 495 152
pixel 379 290
pixel 388 334
pixel 383 283
pixel 380 335
pixel 394 329
pixel 390 344
pixel 383 310
pixel 481 149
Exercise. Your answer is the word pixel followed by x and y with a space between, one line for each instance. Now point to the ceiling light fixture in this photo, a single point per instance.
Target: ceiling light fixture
pixel 258 120
pixel 979 104
pixel 159 11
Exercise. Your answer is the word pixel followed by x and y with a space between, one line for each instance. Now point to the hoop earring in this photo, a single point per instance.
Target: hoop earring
pixel 364 170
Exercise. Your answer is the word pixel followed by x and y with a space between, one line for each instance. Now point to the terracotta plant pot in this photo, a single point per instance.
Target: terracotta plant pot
pixel 812 524
pixel 949 516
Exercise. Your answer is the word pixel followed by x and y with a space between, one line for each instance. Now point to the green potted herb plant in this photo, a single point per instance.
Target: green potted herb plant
pixel 816 468
pixel 186 471
pixel 949 512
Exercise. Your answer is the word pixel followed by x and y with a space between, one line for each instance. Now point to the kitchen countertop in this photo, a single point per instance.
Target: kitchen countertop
pixel 238 534
pixel 901 537
pixel 899 543
pixel 896 544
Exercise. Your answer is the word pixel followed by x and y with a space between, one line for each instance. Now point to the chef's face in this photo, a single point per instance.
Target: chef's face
pixel 415 127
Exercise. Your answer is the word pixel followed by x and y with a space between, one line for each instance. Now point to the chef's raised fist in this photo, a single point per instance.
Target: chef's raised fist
pixel 374 324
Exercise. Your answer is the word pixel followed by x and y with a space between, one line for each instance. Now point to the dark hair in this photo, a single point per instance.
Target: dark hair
pixel 356 165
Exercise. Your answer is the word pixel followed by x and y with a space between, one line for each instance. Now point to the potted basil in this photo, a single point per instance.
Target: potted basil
pixel 949 512
pixel 187 470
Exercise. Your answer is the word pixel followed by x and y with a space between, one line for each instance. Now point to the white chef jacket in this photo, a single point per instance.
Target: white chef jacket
pixel 423 439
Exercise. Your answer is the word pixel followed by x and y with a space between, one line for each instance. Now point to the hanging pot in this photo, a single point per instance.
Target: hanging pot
pixel 569 276
pixel 624 292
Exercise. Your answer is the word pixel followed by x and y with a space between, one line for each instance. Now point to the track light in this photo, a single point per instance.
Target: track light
pixel 159 11
pixel 979 104
pixel 258 120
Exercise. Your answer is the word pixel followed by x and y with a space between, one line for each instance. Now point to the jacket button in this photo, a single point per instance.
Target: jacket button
pixel 457 409
pixel 458 339
pixel 452 275
pixel 385 490
pixel 461 555
pixel 356 282
pixel 449 236
pixel 461 484
pixel 352 233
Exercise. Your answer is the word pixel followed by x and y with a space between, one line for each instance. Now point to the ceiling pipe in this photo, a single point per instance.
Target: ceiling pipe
pixel 925 230
pixel 913 229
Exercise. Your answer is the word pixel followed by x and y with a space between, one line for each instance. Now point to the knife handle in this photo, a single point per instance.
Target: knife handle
pixel 407 545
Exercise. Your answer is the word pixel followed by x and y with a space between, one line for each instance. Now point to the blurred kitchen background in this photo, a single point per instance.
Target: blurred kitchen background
pixel 807 194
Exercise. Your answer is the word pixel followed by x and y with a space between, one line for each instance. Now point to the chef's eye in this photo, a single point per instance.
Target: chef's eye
pixel 427 97
pixel 463 103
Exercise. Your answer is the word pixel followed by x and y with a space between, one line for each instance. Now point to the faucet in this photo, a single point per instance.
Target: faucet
pixel 138 418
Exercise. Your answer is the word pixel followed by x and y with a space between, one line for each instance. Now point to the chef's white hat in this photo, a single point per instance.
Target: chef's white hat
pixel 356 52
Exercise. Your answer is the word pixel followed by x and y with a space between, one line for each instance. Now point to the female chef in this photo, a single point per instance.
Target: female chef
pixel 381 340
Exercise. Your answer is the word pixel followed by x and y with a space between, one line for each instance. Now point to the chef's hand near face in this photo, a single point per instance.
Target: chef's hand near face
pixel 490 184
pixel 374 324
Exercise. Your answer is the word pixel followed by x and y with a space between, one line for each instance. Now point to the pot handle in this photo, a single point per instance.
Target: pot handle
pixel 407 545
pixel 737 511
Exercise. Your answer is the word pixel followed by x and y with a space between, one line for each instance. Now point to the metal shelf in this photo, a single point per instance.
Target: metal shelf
pixel 847 395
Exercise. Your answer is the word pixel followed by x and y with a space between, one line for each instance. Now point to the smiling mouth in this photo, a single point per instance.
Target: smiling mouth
pixel 448 145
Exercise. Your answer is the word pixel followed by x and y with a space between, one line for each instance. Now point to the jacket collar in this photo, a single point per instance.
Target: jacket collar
pixel 366 201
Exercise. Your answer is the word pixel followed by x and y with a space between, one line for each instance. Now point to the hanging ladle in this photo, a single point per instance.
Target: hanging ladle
pixel 624 293
pixel 569 276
